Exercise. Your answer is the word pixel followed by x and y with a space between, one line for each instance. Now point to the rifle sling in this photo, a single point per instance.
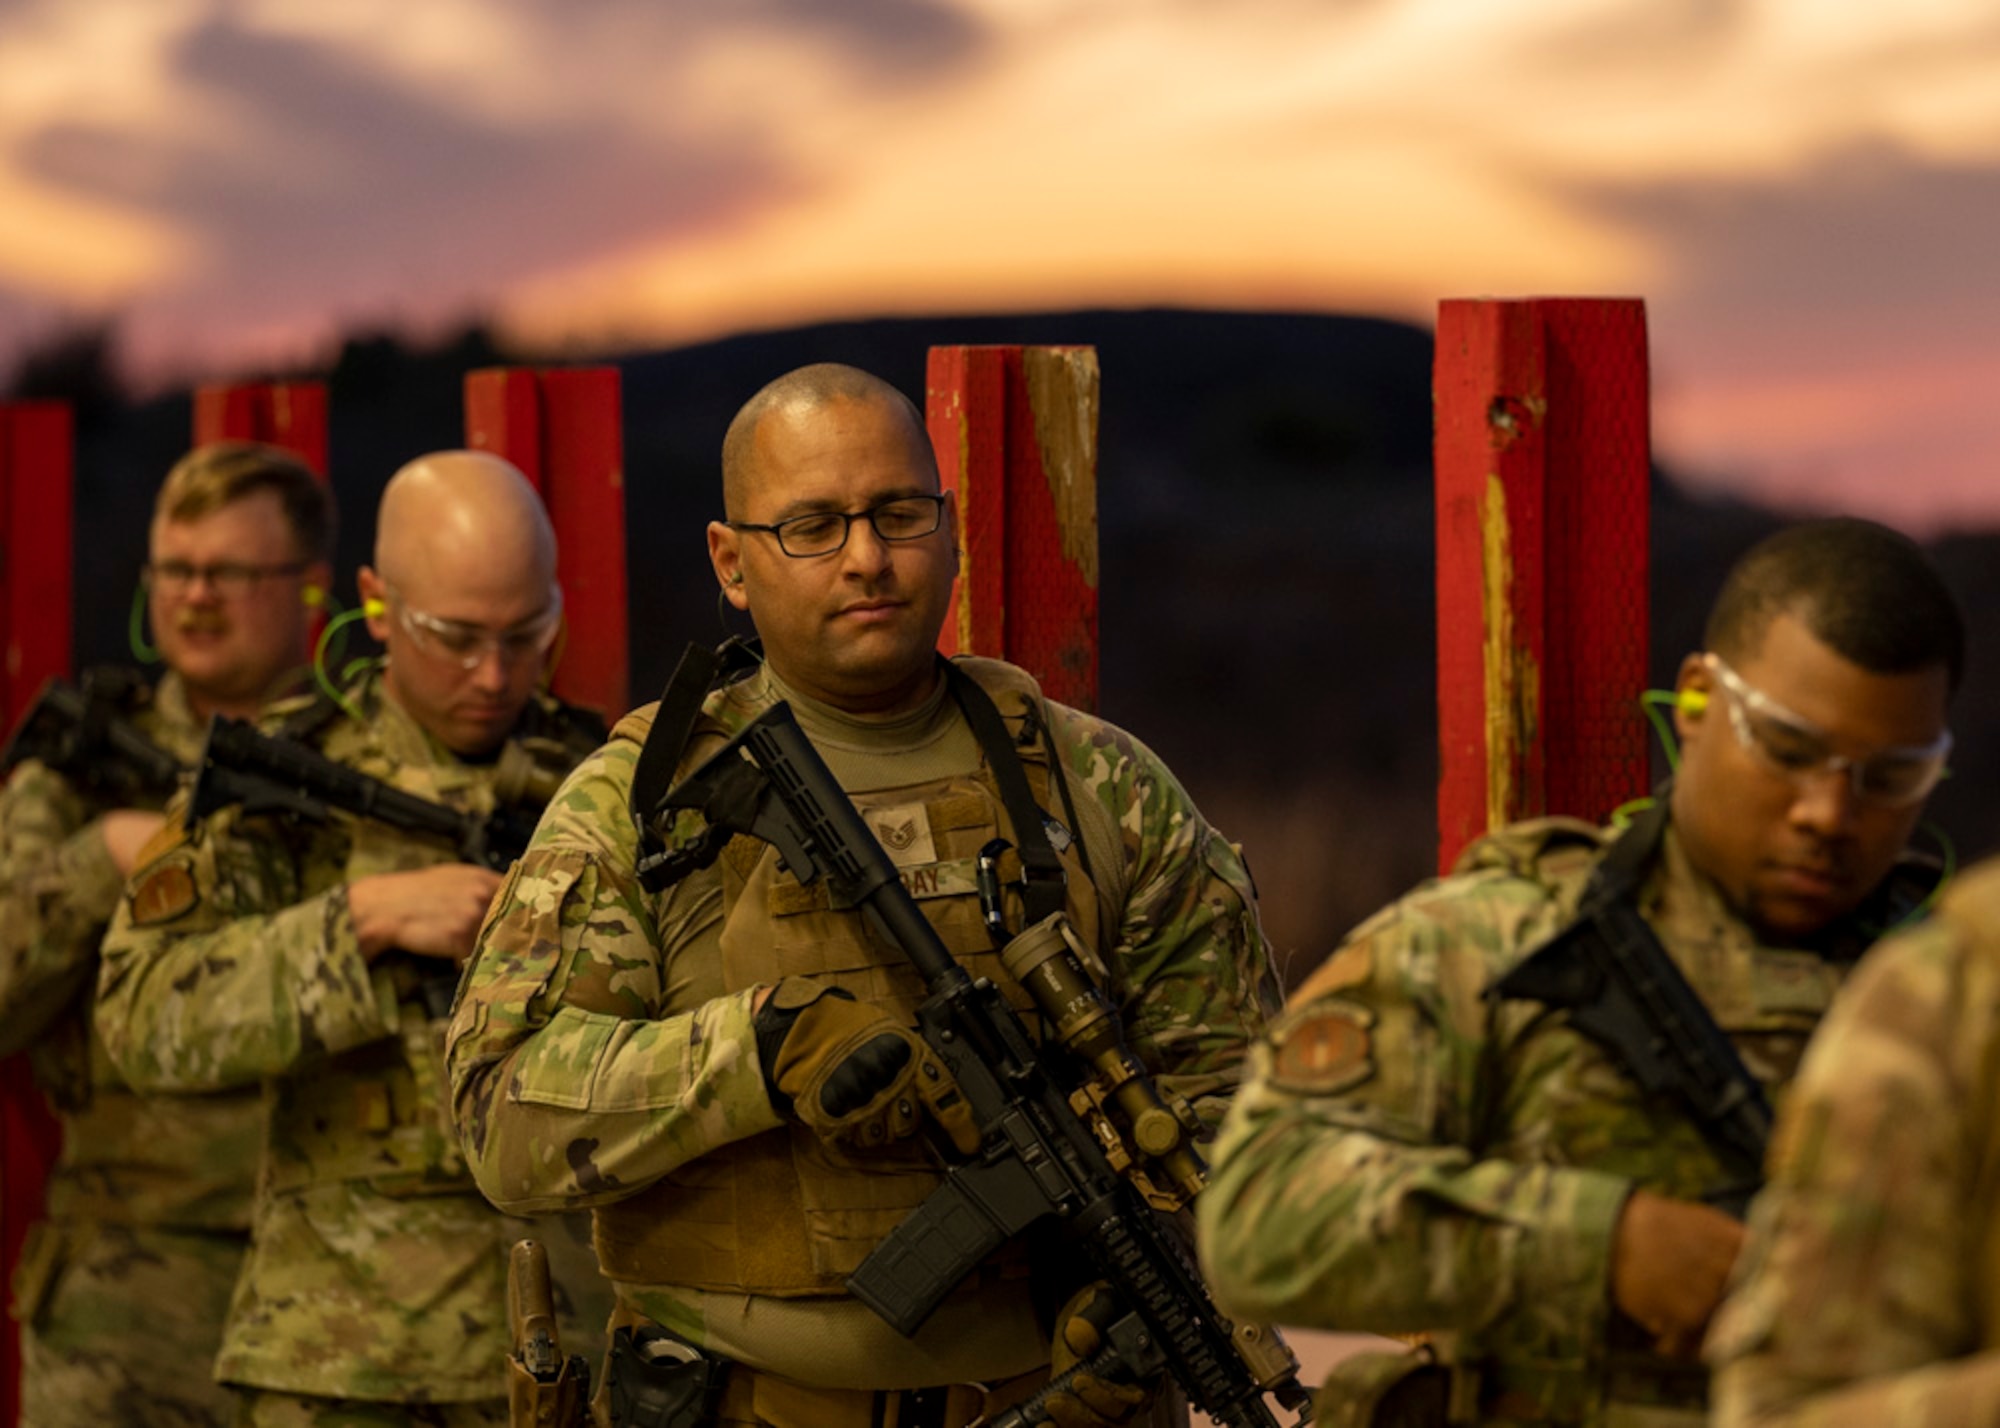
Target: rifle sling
pixel 1608 913
pixel 1043 882
pixel 687 689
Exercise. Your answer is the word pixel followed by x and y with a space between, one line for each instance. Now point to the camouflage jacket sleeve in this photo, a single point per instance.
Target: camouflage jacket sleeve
pixel 58 886
pixel 1349 1189
pixel 1869 1288
pixel 571 1083
pixel 1189 966
pixel 224 967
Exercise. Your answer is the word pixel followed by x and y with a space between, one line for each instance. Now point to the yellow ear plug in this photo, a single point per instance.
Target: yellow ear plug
pixel 1691 702
pixel 312 595
pixel 374 609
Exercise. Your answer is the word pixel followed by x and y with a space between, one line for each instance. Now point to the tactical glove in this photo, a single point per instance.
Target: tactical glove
pixel 850 1071
pixel 1091 1401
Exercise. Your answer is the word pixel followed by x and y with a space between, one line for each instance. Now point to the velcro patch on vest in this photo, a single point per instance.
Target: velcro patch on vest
pixel 1328 1048
pixel 164 891
pixel 958 878
pixel 789 898
pixel 955 878
pixel 960 810
pixel 904 830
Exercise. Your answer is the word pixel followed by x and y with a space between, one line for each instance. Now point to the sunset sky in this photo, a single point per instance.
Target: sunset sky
pixel 1806 192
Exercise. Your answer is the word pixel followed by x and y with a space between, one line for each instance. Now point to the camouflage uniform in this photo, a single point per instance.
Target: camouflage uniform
pixel 376 1271
pixel 602 1053
pixel 149 1205
pixel 1870 1290
pixel 1408 1156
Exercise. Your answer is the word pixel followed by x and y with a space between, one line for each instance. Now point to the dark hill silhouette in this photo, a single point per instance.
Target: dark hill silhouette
pixel 1266 552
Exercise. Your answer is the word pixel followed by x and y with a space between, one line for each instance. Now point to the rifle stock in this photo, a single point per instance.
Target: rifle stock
pixel 82 733
pixel 1040 1157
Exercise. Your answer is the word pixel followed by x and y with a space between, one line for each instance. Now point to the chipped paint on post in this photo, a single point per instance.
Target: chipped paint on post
pixel 1062 387
pixel 1513 681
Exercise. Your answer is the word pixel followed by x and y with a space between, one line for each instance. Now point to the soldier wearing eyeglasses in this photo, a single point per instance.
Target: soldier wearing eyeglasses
pixel 723 1068
pixel 150 1202
pixel 317 961
pixel 1419 1148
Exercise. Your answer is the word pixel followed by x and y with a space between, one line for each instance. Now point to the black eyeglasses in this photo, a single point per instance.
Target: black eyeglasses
pixel 824 532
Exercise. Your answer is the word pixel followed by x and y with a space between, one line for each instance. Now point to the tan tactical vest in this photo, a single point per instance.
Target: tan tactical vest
pixel 782 1213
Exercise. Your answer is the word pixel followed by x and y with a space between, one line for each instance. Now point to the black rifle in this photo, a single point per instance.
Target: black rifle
pixel 1608 971
pixel 1039 1157
pixel 82 734
pixel 282 776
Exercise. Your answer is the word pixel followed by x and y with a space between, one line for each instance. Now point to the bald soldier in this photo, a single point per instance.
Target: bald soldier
pixel 318 959
pixel 150 1202
pixel 723 1068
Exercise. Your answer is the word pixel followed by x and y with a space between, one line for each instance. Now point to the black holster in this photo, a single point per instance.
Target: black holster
pixel 657 1379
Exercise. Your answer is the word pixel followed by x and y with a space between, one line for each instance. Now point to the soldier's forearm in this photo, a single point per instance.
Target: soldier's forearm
pixel 53 910
pixel 591 1107
pixel 260 996
pixel 28 1009
pixel 1302 1218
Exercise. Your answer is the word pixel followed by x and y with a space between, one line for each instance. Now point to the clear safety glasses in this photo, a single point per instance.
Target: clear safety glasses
pixel 1792 745
pixel 468 645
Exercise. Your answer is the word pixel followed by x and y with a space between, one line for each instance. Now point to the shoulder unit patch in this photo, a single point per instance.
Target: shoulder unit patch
pixel 1328 1047
pixel 163 892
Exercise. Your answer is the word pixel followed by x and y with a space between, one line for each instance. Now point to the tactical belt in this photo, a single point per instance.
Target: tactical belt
pixel 794 1405
pixel 1518 1393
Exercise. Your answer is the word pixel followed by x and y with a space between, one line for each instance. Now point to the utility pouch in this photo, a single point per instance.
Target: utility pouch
pixel 657 1379
pixel 1386 1389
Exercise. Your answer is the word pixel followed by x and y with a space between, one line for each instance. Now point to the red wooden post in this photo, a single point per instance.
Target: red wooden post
pixel 291 415
pixel 1542 461
pixel 37 441
pixel 563 428
pixel 36 480
pixel 1015 430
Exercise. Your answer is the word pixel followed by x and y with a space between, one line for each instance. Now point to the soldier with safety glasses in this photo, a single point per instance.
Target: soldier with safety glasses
pixel 1445 1132
pixel 316 960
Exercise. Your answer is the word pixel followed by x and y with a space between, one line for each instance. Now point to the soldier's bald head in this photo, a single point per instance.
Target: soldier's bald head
pixel 462 524
pixel 794 397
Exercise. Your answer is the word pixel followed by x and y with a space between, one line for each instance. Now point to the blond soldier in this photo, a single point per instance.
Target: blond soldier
pixel 1869 1292
pixel 723 1067
pixel 150 1205
pixel 1421 1146
pixel 317 959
